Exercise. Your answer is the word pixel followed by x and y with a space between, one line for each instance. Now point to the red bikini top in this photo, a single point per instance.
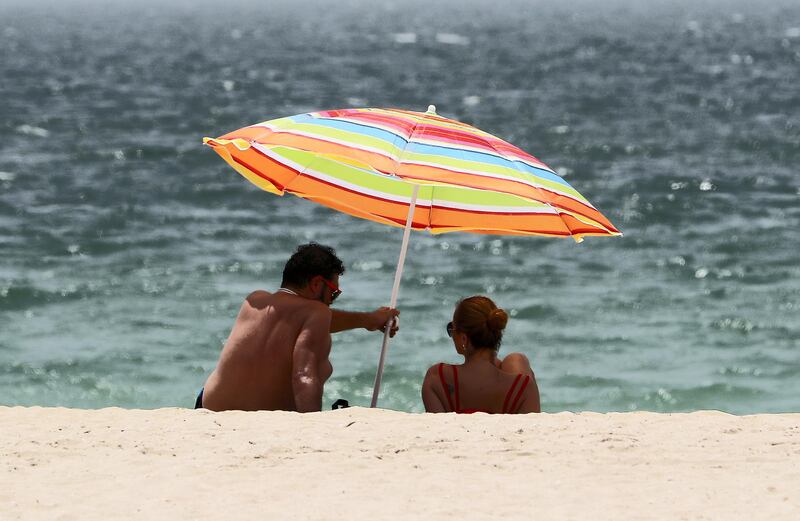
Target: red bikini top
pixel 506 409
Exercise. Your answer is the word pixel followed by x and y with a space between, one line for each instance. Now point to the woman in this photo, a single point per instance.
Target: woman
pixel 483 383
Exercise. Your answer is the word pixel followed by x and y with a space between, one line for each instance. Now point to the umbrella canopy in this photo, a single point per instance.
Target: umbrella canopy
pixel 356 161
pixel 412 169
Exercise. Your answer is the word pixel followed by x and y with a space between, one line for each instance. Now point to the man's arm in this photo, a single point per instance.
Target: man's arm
pixel 312 346
pixel 371 320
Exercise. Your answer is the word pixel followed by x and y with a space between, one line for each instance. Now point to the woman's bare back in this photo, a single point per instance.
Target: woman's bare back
pixel 506 386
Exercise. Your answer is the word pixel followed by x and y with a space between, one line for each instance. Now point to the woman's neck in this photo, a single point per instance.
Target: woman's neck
pixel 487 355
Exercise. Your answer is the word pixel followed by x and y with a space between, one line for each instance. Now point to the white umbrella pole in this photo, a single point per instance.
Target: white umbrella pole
pixel 398 274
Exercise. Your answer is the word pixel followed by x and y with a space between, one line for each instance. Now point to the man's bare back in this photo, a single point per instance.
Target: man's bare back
pixel 276 357
pixel 277 350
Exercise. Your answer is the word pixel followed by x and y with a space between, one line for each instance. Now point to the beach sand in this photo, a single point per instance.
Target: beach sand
pixel 357 463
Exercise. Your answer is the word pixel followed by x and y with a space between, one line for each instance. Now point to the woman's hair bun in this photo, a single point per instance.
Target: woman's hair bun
pixel 497 319
pixel 481 320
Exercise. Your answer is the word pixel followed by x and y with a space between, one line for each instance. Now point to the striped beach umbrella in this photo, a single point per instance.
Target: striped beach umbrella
pixel 416 170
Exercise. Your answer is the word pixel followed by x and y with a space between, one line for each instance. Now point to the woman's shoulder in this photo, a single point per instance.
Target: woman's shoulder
pixel 435 368
pixel 443 372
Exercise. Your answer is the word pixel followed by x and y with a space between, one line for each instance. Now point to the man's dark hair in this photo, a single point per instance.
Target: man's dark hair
pixel 308 261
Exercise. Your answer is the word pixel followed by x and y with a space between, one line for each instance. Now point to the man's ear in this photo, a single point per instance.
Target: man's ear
pixel 315 283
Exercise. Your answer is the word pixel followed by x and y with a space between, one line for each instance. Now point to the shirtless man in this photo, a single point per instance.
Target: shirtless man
pixel 276 357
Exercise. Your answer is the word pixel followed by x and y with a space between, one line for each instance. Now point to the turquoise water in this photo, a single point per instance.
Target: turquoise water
pixel 127 247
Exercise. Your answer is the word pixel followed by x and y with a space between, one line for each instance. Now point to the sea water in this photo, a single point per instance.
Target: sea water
pixel 126 247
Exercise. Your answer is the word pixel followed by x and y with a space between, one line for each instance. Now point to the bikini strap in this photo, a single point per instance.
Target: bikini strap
pixel 519 393
pixel 455 383
pixel 509 393
pixel 444 386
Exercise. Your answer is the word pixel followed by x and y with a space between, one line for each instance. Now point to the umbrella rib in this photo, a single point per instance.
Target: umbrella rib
pixel 399 162
pixel 543 200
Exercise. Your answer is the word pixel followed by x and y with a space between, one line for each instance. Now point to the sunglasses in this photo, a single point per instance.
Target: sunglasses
pixel 450 329
pixel 335 291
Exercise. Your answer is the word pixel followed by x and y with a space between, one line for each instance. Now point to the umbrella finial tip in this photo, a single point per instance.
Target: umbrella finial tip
pixel 431 109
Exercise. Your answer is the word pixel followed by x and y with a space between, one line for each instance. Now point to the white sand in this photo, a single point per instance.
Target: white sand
pixel 359 464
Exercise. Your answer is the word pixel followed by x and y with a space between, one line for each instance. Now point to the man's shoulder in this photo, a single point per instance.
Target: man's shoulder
pixel 314 318
pixel 299 307
pixel 258 294
pixel 316 310
pixel 258 299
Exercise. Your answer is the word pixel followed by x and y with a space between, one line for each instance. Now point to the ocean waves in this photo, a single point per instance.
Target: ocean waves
pixel 127 246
